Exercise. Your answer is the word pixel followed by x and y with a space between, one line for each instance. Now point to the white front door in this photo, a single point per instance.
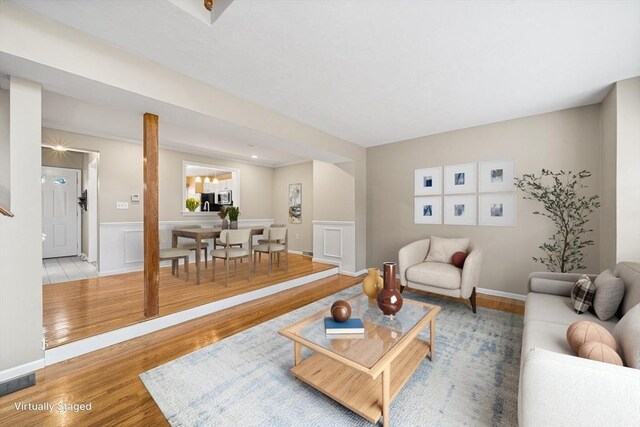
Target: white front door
pixel 60 217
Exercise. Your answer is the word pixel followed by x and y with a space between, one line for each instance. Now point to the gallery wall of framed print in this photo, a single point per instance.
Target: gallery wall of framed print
pixel 295 203
pixel 428 181
pixel 460 178
pixel 497 176
pixel 427 210
pixel 497 209
pixel 460 210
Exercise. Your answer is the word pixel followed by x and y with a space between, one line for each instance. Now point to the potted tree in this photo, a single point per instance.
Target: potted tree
pixel 233 212
pixel 223 216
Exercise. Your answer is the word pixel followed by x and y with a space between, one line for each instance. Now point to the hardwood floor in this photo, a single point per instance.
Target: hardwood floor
pixel 108 378
pixel 83 308
pixel 483 300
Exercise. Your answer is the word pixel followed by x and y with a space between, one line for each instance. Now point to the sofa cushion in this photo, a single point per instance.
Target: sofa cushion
pixel 442 249
pixel 546 335
pixel 558 309
pixel 627 335
pixel 629 272
pixel 550 286
pixel 582 294
pixel 609 293
pixel 435 274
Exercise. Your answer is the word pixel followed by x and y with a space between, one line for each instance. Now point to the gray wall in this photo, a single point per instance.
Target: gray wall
pixel 568 140
pixel 300 235
pixel 608 136
pixel 5 197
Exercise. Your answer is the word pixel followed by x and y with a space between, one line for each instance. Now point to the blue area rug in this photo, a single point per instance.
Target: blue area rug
pixel 244 380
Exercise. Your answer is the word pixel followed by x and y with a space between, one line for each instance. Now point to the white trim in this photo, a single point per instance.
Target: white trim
pixel 324 242
pixel 178 222
pixel 335 223
pixel 354 274
pixel 503 294
pixel 291 251
pixel 78 348
pixel 18 371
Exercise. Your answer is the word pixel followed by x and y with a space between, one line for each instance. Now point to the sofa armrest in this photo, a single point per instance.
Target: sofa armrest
pixel 558 389
pixel 411 254
pixel 546 286
pixel 471 272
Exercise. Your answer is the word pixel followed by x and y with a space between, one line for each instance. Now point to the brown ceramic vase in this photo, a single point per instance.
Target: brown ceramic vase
pixel 389 298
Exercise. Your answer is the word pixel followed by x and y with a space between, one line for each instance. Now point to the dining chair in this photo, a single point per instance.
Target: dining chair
pixel 192 246
pixel 263 241
pixel 276 243
pixel 229 253
pixel 176 254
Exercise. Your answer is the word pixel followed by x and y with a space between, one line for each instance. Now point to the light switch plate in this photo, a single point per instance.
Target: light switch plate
pixel 122 205
pixel 135 198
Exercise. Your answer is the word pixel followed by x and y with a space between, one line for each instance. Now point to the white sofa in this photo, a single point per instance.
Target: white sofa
pixel 557 388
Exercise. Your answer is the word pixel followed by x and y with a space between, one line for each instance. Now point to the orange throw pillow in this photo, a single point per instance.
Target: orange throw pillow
pixel 585 331
pixel 600 352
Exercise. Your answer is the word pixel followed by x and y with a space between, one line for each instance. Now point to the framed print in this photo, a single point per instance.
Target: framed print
pixel 427 210
pixel 497 209
pixel 460 178
pixel 295 203
pixel 428 181
pixel 460 210
pixel 497 176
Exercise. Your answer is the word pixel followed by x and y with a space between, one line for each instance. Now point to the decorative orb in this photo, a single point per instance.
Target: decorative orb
pixel 340 311
pixel 458 259
pixel 600 352
pixel 585 331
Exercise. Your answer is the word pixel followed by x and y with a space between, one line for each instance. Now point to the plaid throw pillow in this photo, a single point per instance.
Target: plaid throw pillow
pixel 582 294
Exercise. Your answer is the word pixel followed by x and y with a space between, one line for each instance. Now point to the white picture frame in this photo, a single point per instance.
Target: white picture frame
pixel 497 176
pixel 427 210
pixel 428 181
pixel 460 210
pixel 497 209
pixel 460 179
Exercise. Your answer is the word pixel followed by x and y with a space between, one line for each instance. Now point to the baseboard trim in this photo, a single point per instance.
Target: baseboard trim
pixel 87 345
pixel 353 274
pixel 18 371
pixel 502 294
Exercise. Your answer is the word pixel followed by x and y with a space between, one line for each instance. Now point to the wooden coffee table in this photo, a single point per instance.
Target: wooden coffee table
pixel 364 372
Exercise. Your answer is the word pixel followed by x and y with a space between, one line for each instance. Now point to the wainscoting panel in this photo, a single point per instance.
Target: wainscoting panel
pixel 121 244
pixel 334 242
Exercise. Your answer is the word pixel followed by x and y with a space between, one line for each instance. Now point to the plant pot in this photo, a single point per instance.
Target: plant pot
pixel 389 298
pixel 233 225
pixel 225 224
pixel 372 284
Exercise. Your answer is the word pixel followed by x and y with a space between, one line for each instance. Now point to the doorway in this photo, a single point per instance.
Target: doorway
pixel 60 212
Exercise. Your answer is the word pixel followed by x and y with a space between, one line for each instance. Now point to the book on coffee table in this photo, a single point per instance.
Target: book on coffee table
pixel 351 326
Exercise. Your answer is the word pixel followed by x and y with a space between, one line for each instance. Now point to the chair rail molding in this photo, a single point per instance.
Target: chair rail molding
pixel 121 243
pixel 334 242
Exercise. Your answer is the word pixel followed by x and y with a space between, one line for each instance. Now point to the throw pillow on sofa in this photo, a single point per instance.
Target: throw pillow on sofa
pixel 582 294
pixel 584 331
pixel 609 294
pixel 627 334
pixel 442 249
pixel 599 352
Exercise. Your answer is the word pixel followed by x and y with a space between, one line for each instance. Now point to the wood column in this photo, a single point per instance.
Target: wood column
pixel 151 239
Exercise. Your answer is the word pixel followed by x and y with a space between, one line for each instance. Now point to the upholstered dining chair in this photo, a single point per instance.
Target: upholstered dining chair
pixel 273 246
pixel 176 254
pixel 191 244
pixel 428 265
pixel 264 241
pixel 229 253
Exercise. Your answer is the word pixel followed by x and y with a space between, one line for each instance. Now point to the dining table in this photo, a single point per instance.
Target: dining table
pixel 200 234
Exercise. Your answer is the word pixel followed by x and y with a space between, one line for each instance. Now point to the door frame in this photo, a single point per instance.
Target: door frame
pixel 78 175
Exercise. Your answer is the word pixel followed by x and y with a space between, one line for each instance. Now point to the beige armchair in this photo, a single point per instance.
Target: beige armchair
pixel 439 277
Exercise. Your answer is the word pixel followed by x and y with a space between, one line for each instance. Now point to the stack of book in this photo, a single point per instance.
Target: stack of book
pixel 351 326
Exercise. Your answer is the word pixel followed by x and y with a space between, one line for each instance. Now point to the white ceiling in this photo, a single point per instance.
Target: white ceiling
pixel 374 72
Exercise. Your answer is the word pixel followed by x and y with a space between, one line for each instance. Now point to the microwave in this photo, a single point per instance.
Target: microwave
pixel 224 197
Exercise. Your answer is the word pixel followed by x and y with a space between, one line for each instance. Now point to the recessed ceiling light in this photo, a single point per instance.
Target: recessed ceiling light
pixel 254 157
pixel 60 147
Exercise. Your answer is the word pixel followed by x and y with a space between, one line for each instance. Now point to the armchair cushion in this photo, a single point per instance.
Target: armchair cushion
pixel 436 274
pixel 442 249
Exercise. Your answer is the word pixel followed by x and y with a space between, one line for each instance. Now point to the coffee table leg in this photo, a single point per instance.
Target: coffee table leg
pixel 297 353
pixel 432 343
pixel 386 395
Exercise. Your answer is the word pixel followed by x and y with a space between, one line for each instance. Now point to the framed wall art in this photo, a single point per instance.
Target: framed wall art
pixel 497 209
pixel 460 210
pixel 459 179
pixel 427 210
pixel 295 203
pixel 428 181
pixel 497 176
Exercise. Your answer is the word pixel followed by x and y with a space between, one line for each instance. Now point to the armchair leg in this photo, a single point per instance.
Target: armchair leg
pixel 401 289
pixel 473 299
